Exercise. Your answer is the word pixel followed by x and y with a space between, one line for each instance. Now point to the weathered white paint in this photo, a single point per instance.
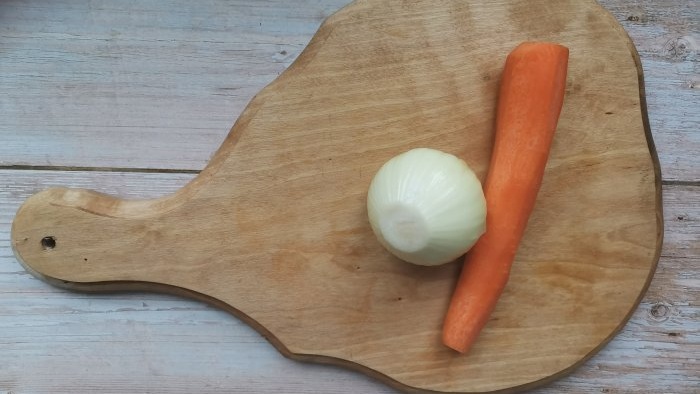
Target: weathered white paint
pixel 158 84
pixel 58 341
pixel 138 84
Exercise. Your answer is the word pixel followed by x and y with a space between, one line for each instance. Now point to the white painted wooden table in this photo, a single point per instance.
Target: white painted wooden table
pixel 132 97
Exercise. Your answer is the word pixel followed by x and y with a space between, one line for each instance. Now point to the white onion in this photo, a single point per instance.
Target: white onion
pixel 426 207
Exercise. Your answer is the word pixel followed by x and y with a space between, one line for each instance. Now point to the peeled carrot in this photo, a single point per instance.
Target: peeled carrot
pixel 529 103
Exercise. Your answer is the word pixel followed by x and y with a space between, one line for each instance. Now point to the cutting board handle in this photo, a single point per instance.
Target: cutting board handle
pixel 78 235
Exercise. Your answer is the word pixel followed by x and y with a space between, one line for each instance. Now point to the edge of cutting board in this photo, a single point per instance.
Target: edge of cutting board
pixel 152 287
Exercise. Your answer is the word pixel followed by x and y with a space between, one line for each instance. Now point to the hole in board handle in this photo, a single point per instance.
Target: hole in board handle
pixel 48 243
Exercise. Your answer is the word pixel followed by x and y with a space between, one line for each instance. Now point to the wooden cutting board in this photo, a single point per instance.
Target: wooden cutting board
pixel 275 229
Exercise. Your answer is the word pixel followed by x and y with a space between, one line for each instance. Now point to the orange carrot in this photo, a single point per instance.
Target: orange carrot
pixel 530 100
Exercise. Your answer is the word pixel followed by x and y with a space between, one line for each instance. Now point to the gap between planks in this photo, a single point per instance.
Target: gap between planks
pixel 670 182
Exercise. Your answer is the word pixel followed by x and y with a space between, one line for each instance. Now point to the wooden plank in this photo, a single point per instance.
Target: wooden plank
pixel 148 84
pixel 58 341
pixel 158 85
pixel 667 37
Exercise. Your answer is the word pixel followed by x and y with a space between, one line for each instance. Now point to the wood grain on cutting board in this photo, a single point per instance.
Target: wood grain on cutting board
pixel 281 205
